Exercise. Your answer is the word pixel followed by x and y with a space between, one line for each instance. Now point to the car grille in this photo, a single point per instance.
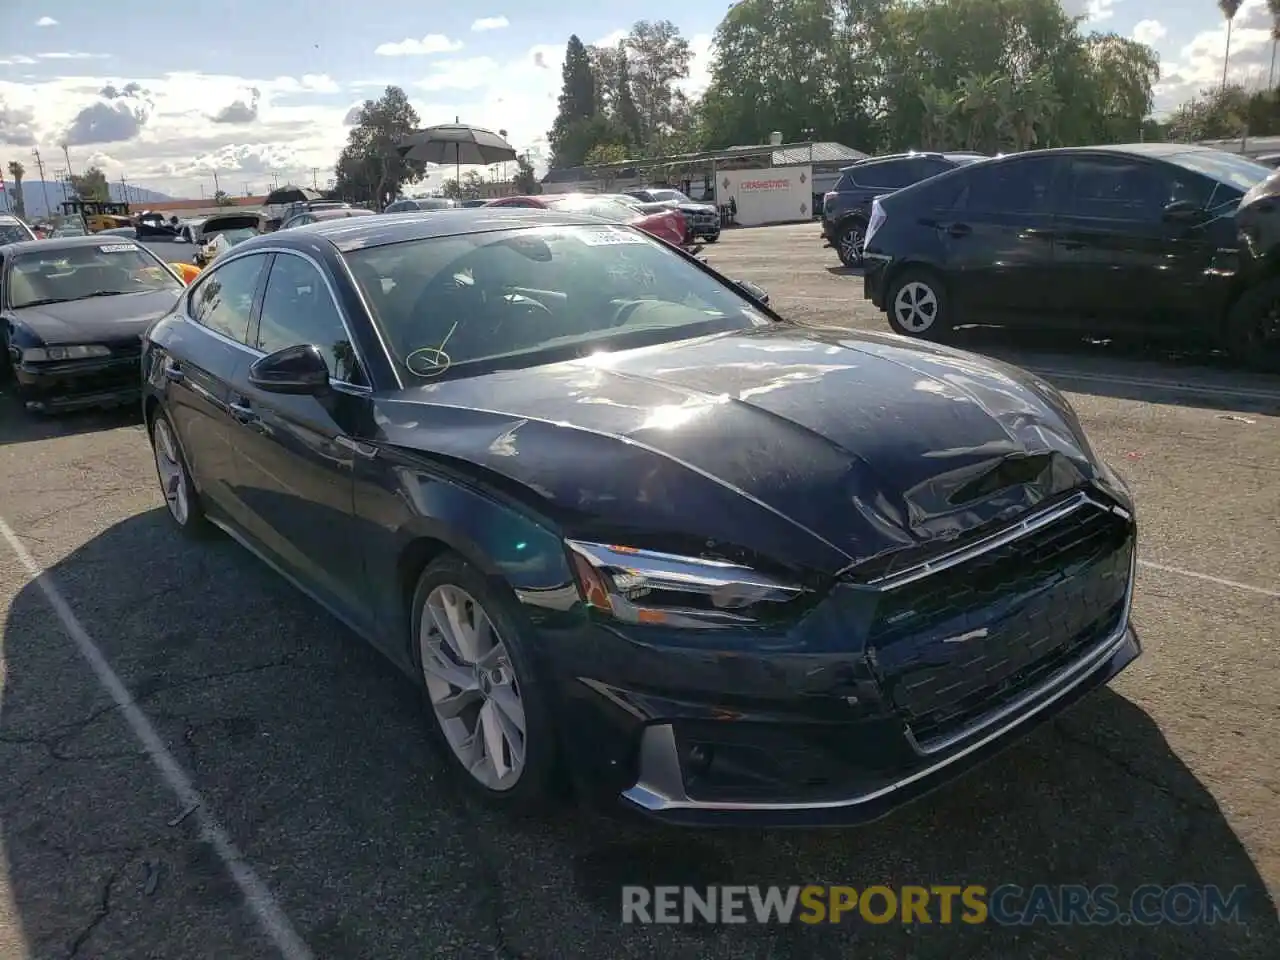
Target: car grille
pixel 954 646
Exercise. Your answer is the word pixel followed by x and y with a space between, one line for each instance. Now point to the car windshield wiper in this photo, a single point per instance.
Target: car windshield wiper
pixel 108 293
pixel 42 302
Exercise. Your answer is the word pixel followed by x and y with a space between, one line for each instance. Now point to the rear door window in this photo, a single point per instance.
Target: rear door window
pixel 223 299
pixel 1020 186
pixel 886 175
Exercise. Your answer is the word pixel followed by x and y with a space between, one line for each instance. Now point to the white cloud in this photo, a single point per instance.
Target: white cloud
pixel 17 60
pixel 73 56
pixel 470 74
pixel 1199 63
pixel 46 22
pixel 490 23
pixel 1149 32
pixel 1093 11
pixel 432 43
pixel 172 146
pixel 699 67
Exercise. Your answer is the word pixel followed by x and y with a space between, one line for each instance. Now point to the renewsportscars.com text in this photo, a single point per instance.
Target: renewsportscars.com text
pixel 1182 904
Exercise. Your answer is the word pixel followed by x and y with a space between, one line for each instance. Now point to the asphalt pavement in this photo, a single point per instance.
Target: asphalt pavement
pixel 198 762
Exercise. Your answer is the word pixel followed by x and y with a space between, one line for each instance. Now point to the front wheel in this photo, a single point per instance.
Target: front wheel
pixel 712 237
pixel 850 243
pixel 918 305
pixel 1252 334
pixel 487 706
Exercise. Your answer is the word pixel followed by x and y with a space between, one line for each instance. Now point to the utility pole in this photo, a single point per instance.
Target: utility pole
pixel 44 187
pixel 67 156
pixel 315 171
pixel 124 189
pixel 202 191
pixel 216 189
pixel 247 192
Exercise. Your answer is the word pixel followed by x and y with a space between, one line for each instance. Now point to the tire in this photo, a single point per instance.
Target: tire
pixel 1252 333
pixel 849 243
pixel 712 237
pixel 918 306
pixel 510 691
pixel 182 503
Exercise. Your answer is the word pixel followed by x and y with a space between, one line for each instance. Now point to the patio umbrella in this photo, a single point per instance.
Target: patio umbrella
pixel 456 143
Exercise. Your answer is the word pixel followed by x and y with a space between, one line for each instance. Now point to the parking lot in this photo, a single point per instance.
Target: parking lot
pixel 324 827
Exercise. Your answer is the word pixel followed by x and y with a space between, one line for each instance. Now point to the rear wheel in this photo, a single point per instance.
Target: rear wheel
pixel 180 497
pixel 1252 334
pixel 918 306
pixel 711 237
pixel 850 243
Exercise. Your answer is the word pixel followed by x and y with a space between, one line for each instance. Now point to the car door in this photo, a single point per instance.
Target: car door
pixel 203 358
pixel 1121 263
pixel 296 454
pixel 997 243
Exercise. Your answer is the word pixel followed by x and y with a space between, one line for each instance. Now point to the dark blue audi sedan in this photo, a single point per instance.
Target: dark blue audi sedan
pixel 628 528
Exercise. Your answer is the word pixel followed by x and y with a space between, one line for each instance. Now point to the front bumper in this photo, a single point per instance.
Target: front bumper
pixel 797 726
pixel 873 277
pixel 80 384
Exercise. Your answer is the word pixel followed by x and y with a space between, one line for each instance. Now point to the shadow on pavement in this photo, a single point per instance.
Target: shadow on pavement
pixel 310 749
pixel 20 426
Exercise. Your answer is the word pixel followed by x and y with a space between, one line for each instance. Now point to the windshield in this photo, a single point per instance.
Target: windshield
pixel 13 233
pixel 518 298
pixel 663 196
pixel 600 207
pixel 1229 168
pixel 106 269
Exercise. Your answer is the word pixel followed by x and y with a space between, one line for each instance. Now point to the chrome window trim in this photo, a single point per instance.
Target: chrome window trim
pixel 356 388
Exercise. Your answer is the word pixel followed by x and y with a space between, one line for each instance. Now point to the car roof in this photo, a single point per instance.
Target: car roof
pixel 54 244
pixel 359 233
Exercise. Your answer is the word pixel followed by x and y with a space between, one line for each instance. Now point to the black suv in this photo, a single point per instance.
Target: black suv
pixel 846 210
pixel 1164 240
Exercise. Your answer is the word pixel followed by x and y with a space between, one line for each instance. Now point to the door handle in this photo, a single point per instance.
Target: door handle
pixel 173 372
pixel 959 230
pixel 242 411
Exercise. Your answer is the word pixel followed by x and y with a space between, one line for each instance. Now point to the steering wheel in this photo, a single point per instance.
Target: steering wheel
pixel 624 312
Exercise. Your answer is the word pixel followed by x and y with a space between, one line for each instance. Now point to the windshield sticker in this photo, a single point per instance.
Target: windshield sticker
pixel 118 247
pixel 609 237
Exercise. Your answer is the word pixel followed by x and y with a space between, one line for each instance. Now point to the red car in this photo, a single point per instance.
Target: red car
pixel 667 225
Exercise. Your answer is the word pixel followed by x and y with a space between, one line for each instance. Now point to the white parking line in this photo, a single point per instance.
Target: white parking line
pixel 1208 578
pixel 256 895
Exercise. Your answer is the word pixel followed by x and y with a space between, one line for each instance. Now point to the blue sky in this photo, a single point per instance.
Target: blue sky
pixel 267 95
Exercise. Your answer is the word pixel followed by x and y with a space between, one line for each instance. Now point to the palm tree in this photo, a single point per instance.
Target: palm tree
pixel 17 171
pixel 1229 10
pixel 1274 7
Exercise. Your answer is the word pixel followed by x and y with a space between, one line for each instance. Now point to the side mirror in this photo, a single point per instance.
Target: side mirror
pixel 1183 211
pixel 754 291
pixel 294 370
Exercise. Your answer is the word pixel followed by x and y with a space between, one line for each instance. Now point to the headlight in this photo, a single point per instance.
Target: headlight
pixel 643 586
pixel 75 352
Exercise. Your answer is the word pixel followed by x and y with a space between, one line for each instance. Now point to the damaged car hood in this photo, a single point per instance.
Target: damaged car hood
pixel 856 445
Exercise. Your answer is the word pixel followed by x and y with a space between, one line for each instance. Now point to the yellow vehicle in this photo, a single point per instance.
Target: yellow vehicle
pixel 98 214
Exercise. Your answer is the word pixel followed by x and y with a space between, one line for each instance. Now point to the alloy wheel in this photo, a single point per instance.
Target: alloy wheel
pixel 472 687
pixel 173 476
pixel 915 307
pixel 852 242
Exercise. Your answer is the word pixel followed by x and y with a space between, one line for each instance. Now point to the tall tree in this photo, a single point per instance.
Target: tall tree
pixel 16 172
pixel 625 112
pixel 659 57
pixel 577 106
pixel 369 169
pixel 1229 10
pixel 526 179
pixel 91 185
